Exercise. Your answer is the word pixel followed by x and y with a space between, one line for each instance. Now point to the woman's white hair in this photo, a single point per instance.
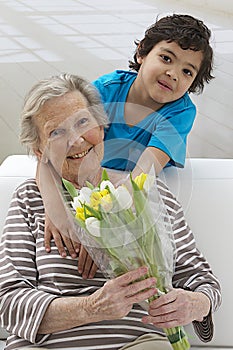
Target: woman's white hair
pixel 46 90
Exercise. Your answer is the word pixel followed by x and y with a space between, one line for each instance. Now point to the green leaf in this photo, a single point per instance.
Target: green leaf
pixel 94 212
pixel 104 175
pixel 134 185
pixel 70 188
pixel 89 185
pixel 80 222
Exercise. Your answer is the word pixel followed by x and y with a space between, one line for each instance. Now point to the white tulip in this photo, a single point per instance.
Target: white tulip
pixel 93 226
pixel 76 203
pixel 85 194
pixel 123 197
pixel 149 182
pixel 108 184
pixel 83 197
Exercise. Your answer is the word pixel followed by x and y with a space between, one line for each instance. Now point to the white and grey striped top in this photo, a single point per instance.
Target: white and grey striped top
pixel 30 279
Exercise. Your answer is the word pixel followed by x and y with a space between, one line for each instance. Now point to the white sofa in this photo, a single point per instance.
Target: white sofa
pixel 205 189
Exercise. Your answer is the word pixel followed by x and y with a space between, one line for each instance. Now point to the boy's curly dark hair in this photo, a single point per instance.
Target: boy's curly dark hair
pixel 189 33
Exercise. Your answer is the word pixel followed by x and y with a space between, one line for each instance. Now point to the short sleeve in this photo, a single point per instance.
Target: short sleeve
pixel 172 128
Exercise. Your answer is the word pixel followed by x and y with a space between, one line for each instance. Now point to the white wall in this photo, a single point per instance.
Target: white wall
pixel 223 6
pixel 35 42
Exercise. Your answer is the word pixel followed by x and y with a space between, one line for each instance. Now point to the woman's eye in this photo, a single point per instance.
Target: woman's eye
pixel 82 121
pixel 188 72
pixel 57 133
pixel 166 58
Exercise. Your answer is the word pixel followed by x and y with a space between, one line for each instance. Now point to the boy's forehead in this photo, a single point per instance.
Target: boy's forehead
pixel 188 56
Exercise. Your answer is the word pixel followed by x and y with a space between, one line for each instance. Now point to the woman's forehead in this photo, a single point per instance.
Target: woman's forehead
pixel 62 106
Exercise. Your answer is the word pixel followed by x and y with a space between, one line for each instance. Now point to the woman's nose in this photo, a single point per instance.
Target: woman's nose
pixel 75 138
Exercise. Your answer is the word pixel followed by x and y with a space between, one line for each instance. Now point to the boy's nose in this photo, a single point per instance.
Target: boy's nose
pixel 172 74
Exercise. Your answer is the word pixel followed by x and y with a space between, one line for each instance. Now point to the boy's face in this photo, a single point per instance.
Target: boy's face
pixel 166 73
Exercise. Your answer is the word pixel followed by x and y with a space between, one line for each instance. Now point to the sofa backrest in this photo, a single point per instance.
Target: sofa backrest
pixel 205 189
pixel 13 171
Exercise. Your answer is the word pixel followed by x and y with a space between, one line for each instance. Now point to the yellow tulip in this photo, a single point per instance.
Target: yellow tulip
pixel 96 198
pixel 106 202
pixel 140 180
pixel 80 213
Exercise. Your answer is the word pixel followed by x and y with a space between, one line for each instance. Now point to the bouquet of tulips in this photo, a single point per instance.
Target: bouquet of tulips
pixel 125 229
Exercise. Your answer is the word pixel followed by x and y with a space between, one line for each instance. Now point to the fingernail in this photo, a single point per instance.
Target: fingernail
pixel 144 269
pixel 74 255
pixel 63 255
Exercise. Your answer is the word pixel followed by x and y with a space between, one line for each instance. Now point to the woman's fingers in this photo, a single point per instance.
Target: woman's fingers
pixel 131 276
pixel 177 308
pixel 116 298
pixel 133 285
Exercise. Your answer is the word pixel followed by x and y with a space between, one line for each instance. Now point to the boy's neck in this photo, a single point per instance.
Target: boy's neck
pixel 136 96
pixel 136 107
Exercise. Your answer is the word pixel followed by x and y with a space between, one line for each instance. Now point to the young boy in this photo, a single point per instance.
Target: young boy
pixel 150 111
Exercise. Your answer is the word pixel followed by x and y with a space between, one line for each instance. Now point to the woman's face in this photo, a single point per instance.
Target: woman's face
pixel 70 137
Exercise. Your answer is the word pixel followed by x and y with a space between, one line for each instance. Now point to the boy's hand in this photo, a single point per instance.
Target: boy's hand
pixel 60 240
pixel 86 266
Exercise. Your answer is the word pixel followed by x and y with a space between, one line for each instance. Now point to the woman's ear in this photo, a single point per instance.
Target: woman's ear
pixel 40 156
pixel 102 131
pixel 37 153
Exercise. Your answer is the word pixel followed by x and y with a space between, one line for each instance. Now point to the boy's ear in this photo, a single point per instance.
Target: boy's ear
pixel 139 59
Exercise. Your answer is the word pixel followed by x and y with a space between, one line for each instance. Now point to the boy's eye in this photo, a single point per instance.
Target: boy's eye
pixel 57 133
pixel 188 72
pixel 166 58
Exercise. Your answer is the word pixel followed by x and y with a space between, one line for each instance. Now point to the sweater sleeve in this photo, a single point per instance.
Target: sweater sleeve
pixel 22 303
pixel 192 271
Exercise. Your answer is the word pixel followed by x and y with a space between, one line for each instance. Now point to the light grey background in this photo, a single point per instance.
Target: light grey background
pixel 91 37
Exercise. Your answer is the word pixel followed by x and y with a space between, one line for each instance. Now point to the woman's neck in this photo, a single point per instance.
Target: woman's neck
pixel 93 178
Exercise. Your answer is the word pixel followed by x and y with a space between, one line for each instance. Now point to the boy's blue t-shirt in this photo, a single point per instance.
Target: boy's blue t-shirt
pixel 166 129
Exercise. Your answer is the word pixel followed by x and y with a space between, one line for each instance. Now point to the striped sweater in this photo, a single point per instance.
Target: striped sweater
pixel 31 278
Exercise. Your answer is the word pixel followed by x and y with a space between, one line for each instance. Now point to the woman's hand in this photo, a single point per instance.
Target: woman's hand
pixel 116 298
pixel 112 301
pixel 86 266
pixel 177 308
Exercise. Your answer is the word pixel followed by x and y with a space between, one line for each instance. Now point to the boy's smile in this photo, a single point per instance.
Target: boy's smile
pixel 165 75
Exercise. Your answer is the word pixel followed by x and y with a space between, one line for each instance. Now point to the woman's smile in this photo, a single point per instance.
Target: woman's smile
pixel 80 155
pixel 75 137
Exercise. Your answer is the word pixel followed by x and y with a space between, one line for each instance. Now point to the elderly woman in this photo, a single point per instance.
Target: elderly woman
pixel 44 300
